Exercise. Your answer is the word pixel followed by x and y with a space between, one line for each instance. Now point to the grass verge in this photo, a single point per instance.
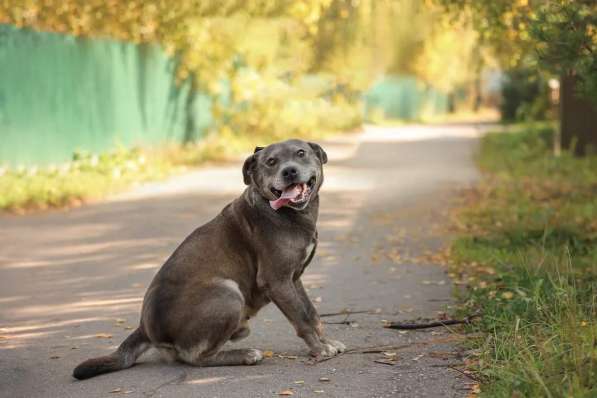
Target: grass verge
pixel 528 255
pixel 90 177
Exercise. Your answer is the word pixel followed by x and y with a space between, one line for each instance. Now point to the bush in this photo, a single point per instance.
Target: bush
pixel 273 110
pixel 525 96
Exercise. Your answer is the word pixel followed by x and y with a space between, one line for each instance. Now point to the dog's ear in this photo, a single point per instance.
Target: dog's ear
pixel 248 168
pixel 323 157
pixel 249 165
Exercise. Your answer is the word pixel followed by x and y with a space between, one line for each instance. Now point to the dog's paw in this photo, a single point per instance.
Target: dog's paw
pixel 338 345
pixel 324 350
pixel 253 357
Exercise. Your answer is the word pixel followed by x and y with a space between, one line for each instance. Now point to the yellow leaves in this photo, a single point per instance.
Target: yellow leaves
pixel 507 295
pixel 268 354
pixel 211 28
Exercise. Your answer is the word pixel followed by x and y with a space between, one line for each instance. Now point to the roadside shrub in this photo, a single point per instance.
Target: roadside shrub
pixel 525 96
pixel 274 109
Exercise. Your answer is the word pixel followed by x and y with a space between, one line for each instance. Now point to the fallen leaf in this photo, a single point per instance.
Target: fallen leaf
pixel 268 354
pixel 507 295
pixel 116 390
pixel 318 391
pixel 299 382
pixel 120 320
pixel 390 354
pixel 324 379
pixel 285 392
pixel 103 336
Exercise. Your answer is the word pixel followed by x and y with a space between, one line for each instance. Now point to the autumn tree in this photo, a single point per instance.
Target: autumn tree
pixel 558 37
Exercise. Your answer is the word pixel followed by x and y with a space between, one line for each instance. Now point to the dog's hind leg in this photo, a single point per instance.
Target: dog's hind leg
pixel 246 356
pixel 218 319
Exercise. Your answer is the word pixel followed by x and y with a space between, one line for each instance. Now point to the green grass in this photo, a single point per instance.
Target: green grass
pixel 86 177
pixel 528 254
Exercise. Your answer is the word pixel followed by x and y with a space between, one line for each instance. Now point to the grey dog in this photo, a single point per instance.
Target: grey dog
pixel 252 253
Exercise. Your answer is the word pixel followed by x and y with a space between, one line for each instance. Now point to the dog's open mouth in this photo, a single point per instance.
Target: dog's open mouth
pixel 294 194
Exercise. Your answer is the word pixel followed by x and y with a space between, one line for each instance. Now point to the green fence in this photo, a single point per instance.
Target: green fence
pixel 405 98
pixel 60 94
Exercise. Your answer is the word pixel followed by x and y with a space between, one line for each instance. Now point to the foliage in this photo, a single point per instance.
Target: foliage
pixel 559 36
pixel 566 33
pixel 204 35
pixel 276 110
pixel 355 41
pixel 525 96
pixel 529 257
pixel 451 56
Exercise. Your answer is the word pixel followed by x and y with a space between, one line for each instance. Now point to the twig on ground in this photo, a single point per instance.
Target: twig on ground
pixel 447 365
pixel 468 375
pixel 447 322
pixel 344 322
pixel 346 312
pixel 361 350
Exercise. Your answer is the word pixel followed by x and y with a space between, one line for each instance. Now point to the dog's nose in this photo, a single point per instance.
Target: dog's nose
pixel 289 173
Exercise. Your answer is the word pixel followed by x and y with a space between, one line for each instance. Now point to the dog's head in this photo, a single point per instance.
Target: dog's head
pixel 287 173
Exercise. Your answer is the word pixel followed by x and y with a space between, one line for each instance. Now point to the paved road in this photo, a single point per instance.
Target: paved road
pixel 71 282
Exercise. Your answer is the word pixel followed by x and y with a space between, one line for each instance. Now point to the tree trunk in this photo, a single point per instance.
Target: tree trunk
pixel 578 119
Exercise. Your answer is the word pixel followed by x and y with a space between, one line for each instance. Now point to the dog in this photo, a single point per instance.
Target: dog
pixel 253 253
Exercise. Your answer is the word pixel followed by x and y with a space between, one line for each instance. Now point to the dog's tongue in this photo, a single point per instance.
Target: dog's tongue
pixel 292 192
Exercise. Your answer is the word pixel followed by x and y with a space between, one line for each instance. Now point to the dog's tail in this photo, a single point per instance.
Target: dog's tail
pixel 124 357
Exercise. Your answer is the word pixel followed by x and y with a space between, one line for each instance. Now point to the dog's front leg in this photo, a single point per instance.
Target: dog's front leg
pixel 303 317
pixel 340 347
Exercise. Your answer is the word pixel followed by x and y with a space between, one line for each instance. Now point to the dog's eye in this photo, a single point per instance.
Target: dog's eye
pixel 271 161
pixel 301 153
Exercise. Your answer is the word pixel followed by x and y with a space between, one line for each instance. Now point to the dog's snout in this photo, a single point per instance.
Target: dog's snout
pixel 290 173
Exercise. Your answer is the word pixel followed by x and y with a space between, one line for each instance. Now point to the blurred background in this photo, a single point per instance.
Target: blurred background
pixel 95 95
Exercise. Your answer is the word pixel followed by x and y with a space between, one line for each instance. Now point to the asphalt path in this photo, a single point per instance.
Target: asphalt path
pixel 72 281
